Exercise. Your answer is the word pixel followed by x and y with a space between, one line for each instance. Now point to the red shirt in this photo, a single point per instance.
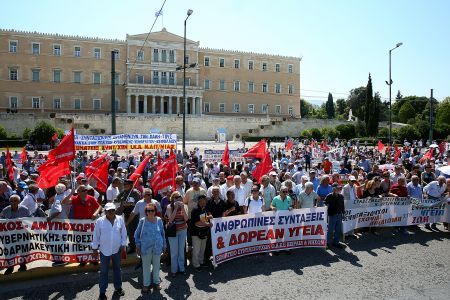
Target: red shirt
pixel 401 191
pixel 84 210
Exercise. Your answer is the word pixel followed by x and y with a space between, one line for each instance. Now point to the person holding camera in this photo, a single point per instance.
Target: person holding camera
pixel 199 231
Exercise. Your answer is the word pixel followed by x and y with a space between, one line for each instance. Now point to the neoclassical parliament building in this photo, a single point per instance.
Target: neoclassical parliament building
pixel 55 73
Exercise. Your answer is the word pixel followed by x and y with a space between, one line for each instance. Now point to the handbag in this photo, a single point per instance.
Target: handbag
pixel 171 230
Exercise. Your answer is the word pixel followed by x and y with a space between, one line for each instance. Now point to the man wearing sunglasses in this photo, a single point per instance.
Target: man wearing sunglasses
pixel 139 208
pixel 109 240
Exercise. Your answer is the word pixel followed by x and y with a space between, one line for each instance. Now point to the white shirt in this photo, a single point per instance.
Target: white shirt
pixel 111 193
pixel 107 237
pixel 139 208
pixel 255 206
pixel 239 194
pixel 247 187
pixel 434 190
pixel 29 201
pixel 223 192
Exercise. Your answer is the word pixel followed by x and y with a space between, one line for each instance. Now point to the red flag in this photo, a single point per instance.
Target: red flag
pixel 165 174
pixel 289 145
pixel 226 156
pixel 257 151
pixel 397 155
pixel 50 172
pixel 98 169
pixel 138 172
pixel 159 159
pixel 54 136
pixel 380 146
pixel 323 146
pixel 442 147
pixel 263 168
pixel 396 148
pixel 65 150
pixel 9 165
pixel 388 150
pixel 428 155
pixel 23 155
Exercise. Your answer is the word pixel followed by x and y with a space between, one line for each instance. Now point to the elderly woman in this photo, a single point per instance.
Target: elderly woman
pixel 324 188
pixel 60 203
pixel 177 216
pixel 308 198
pixel 150 243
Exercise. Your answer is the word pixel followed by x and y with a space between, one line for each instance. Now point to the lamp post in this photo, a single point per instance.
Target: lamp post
pixel 189 12
pixel 390 92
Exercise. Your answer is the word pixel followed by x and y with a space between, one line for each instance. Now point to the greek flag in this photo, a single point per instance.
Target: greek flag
pixel 159 13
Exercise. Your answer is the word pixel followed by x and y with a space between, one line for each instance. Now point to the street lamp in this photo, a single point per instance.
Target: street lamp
pixel 390 92
pixel 189 12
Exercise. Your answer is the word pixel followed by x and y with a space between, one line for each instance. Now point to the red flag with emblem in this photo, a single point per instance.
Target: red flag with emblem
pixel 380 146
pixel 98 170
pixel 9 165
pixel 65 151
pixel 442 147
pixel 159 159
pixel 23 155
pixel 263 168
pixel 226 156
pixel 428 155
pixel 257 151
pixel 50 172
pixel 140 169
pixel 397 155
pixel 165 174
pixel 289 145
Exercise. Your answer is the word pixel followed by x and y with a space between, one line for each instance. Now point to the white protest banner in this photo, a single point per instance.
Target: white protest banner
pixel 152 141
pixel 29 239
pixel 268 231
pixel 216 155
pixel 393 211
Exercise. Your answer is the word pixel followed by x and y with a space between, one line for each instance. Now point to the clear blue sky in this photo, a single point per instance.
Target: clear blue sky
pixel 340 42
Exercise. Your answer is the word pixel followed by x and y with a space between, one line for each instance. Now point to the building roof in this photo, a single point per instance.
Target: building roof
pixel 162 35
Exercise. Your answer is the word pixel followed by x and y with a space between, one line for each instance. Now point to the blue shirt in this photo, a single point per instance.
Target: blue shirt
pixel 150 236
pixel 415 191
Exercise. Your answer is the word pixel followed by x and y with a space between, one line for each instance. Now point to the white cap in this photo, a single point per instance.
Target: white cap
pixel 110 206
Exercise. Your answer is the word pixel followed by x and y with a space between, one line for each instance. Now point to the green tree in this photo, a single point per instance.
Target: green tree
pixel 383 132
pixel 355 101
pixel 43 133
pixel 306 133
pixel 3 133
pixel 330 133
pixel 346 131
pixel 316 134
pixel 443 117
pixel 341 106
pixel 406 112
pixel 26 133
pixel 407 132
pixel 371 110
pixel 306 109
pixel 330 107
pixel 399 95
pixel 418 103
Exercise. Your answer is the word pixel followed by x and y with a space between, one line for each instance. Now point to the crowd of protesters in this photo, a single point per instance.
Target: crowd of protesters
pixel 176 222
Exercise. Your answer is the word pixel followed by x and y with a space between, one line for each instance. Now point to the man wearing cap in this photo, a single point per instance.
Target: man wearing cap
pixel 335 203
pixel 273 179
pixel 349 190
pixel 125 203
pixel 109 240
pixel 23 176
pixel 21 190
pixel 30 200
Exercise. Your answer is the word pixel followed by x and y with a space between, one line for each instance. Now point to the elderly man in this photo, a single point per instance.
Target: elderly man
pixel 335 204
pixel 113 190
pixel 267 191
pixel 414 188
pixel 434 190
pixel 14 211
pixel 191 197
pixel 139 208
pixel 308 198
pixel 240 193
pixel 300 188
pixel 216 183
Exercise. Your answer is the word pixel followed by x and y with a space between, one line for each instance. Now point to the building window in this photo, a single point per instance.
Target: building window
pixel 206 107
pixel 13 102
pixel 13 46
pixel 290 89
pixel 264 87
pixel 277 88
pixel 237 86
pixel 116 54
pixel 96 78
pixel 171 56
pixel 222 62
pixel 155 55
pixel 77 76
pixel 35 102
pixel 264 66
pixel 187 81
pixel 57 50
pixel 251 87
pixel 36 48
pixel 236 107
pixel 77 103
pixel 77 51
pixel 36 74
pixel 140 79
pixel 207 84
pixel 163 77
pixel 250 64
pixel 97 53
pixel 186 60
pixel 222 85
pixel 277 67
pixel 278 109
pixel 163 55
pixel 57 76
pixel 236 63
pixel 13 74
pixel 290 68
pixel 264 108
pixel 206 63
pixel 117 79
pixel 251 108
pixel 171 78
pixel 97 104
pixel 140 55
pixel 155 77
pixel 290 110
pixel 222 107
pixel 57 103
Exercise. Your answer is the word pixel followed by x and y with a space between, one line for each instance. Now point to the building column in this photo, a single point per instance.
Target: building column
pixel 178 104
pixel 136 104
pixel 170 105
pixel 128 104
pixel 185 105
pixel 193 106
pixel 201 106
pixel 145 104
pixel 153 104
pixel 161 105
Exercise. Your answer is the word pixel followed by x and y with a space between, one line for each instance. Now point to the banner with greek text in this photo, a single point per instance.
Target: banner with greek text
pixel 393 211
pixel 152 141
pixel 29 239
pixel 242 235
pixel 216 155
